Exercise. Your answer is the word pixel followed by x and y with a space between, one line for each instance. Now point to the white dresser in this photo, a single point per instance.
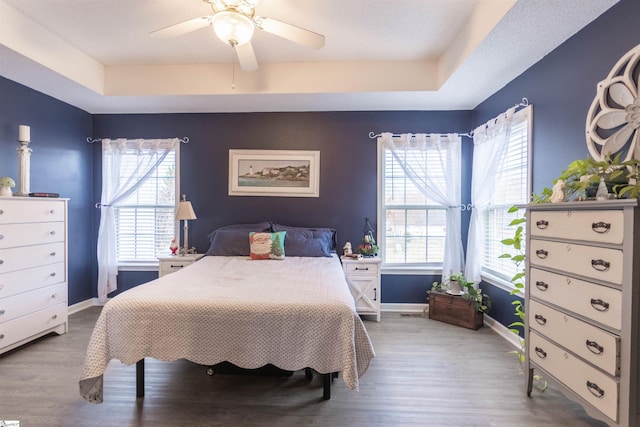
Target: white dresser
pixel 363 278
pixel 33 269
pixel 581 304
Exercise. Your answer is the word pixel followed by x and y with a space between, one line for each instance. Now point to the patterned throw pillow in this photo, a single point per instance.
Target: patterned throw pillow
pixel 267 245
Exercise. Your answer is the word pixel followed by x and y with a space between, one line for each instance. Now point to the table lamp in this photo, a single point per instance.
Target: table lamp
pixel 185 213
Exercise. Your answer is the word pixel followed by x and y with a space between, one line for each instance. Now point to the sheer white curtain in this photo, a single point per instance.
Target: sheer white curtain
pixel 117 185
pixel 442 185
pixel 490 142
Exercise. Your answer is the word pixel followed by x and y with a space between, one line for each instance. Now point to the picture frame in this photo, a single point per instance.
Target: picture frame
pixel 275 173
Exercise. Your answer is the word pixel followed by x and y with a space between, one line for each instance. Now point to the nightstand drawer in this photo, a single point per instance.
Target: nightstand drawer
pixel 171 264
pixel 362 267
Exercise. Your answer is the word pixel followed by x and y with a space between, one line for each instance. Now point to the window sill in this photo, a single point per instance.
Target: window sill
pixel 412 271
pixel 500 283
pixel 138 267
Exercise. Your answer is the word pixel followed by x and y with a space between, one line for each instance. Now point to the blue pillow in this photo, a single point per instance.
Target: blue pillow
pixel 307 242
pixel 233 240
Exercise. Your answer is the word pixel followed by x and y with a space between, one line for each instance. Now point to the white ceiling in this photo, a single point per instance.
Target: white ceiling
pixel 379 54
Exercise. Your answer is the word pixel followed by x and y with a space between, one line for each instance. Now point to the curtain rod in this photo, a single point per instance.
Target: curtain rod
pixel 184 139
pixel 523 103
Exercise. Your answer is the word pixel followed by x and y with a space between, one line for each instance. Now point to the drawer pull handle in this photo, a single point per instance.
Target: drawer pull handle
pixel 540 319
pixel 1 262
pixel 599 305
pixel 362 269
pixel 542 254
pixel 375 294
pixel 54 296
pixel 54 317
pixel 600 264
pixel 594 389
pixel 594 347
pixel 2 312
pixel 1 335
pixel 1 236
pixel 541 285
pixel 53 274
pixel 1 211
pixel 542 224
pixel 53 254
pixel 52 211
pixel 53 232
pixel 541 353
pixel 176 266
pixel 601 227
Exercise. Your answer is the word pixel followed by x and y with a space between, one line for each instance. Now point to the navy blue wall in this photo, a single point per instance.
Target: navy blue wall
pixel 61 162
pixel 561 88
pixel 348 169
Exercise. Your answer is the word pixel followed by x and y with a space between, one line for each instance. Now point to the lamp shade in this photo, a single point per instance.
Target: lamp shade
pixel 185 210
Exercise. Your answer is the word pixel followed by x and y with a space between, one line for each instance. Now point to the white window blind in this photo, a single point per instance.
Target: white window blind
pixel 413 226
pixel 513 188
pixel 145 220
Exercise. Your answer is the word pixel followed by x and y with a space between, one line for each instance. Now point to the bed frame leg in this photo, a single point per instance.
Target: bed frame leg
pixel 326 390
pixel 140 378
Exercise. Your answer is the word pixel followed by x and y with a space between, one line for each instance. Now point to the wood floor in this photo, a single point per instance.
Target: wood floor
pixel 426 373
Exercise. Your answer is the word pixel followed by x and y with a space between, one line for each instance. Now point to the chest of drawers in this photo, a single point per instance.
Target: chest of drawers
pixel 33 269
pixel 581 304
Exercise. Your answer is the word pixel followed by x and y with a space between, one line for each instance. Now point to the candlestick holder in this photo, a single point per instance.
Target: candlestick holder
pixel 24 161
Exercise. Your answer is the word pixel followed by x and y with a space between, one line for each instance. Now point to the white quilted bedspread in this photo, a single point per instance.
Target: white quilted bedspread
pixel 292 313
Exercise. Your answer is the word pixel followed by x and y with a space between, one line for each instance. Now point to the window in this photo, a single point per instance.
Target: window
pixel 513 187
pixel 145 223
pixel 412 226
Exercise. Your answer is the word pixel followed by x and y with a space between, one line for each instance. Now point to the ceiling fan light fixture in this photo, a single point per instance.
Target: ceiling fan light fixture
pixel 232 28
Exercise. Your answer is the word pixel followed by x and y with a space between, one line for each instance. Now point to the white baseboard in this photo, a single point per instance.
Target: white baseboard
pixel 403 308
pixel 496 326
pixel 82 305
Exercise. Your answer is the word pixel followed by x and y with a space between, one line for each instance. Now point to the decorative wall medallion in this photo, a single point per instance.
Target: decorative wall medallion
pixel 613 121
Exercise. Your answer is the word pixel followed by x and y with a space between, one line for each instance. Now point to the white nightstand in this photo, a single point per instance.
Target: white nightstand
pixel 173 263
pixel 363 277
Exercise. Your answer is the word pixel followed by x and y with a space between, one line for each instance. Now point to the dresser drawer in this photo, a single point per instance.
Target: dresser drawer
pixel 362 268
pixel 604 226
pixel 594 386
pixel 22 328
pixel 31 278
pixel 592 261
pixel 30 256
pixel 593 344
pixel 12 235
pixel 39 210
pixel 28 302
pixel 599 303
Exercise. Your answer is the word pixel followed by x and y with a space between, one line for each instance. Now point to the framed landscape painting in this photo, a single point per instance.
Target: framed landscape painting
pixel 280 173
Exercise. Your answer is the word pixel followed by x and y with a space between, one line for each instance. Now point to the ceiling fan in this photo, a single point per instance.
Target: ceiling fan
pixel 234 22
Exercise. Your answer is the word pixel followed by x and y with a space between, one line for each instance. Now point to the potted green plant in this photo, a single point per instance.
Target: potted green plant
pixel 457 284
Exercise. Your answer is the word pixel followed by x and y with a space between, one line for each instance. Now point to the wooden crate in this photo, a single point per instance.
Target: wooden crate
pixel 455 310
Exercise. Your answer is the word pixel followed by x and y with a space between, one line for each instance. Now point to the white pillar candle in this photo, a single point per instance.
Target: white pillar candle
pixel 24 133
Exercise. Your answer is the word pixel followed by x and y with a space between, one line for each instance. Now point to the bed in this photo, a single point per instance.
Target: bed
pixel 292 311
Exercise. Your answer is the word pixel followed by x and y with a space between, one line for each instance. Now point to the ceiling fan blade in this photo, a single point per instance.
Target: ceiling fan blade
pixel 183 27
pixel 290 32
pixel 246 57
